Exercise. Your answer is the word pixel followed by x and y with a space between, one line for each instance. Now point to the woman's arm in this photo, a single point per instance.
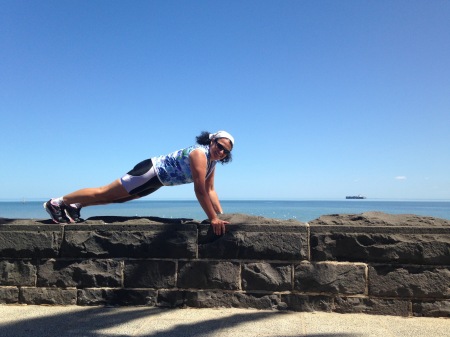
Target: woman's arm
pixel 213 194
pixel 198 164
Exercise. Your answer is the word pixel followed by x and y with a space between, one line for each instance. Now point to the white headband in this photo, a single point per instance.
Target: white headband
pixel 222 134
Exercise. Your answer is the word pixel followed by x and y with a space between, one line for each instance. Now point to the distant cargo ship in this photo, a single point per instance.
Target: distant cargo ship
pixel 355 197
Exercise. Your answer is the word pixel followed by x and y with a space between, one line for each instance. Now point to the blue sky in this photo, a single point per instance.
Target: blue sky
pixel 324 98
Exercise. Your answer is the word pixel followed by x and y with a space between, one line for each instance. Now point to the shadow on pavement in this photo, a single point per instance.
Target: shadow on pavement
pixel 121 322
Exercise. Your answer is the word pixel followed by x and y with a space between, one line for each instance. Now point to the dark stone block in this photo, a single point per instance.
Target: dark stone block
pixel 374 306
pixel 149 274
pixel 409 281
pixel 172 298
pixel 9 295
pixel 117 240
pixel 215 299
pixel 80 274
pixel 255 238
pixel 431 308
pixel 123 297
pixel 333 278
pixel 306 303
pixel 30 241
pixel 209 299
pixel 208 275
pixel 257 301
pixel 49 296
pixel 256 246
pixel 96 296
pixel 379 237
pixel 266 276
pixel 17 273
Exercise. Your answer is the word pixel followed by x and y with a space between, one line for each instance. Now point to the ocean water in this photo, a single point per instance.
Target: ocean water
pixel 300 210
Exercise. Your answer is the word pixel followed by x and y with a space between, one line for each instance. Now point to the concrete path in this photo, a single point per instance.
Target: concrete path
pixel 53 321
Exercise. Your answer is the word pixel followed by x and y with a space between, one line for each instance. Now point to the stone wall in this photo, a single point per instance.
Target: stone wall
pixel 367 263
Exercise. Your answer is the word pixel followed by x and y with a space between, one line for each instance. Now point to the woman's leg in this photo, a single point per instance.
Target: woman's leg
pixel 98 195
pixel 140 181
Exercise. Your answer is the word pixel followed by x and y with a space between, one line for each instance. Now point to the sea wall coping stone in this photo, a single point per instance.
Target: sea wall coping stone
pixel 257 241
pixel 29 240
pixel 380 237
pixel 165 240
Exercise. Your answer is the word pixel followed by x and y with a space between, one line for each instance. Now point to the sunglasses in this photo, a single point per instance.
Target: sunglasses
pixel 221 147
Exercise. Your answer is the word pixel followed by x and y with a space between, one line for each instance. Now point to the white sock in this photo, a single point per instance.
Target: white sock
pixel 57 201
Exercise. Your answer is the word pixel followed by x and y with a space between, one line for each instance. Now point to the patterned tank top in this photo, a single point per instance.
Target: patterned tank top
pixel 175 168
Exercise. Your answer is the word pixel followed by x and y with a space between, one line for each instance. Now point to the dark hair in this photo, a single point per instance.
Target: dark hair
pixel 203 139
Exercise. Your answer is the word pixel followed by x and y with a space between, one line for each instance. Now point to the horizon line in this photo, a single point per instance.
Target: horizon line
pixel 24 200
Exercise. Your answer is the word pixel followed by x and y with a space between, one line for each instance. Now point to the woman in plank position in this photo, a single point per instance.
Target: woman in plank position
pixel 193 164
